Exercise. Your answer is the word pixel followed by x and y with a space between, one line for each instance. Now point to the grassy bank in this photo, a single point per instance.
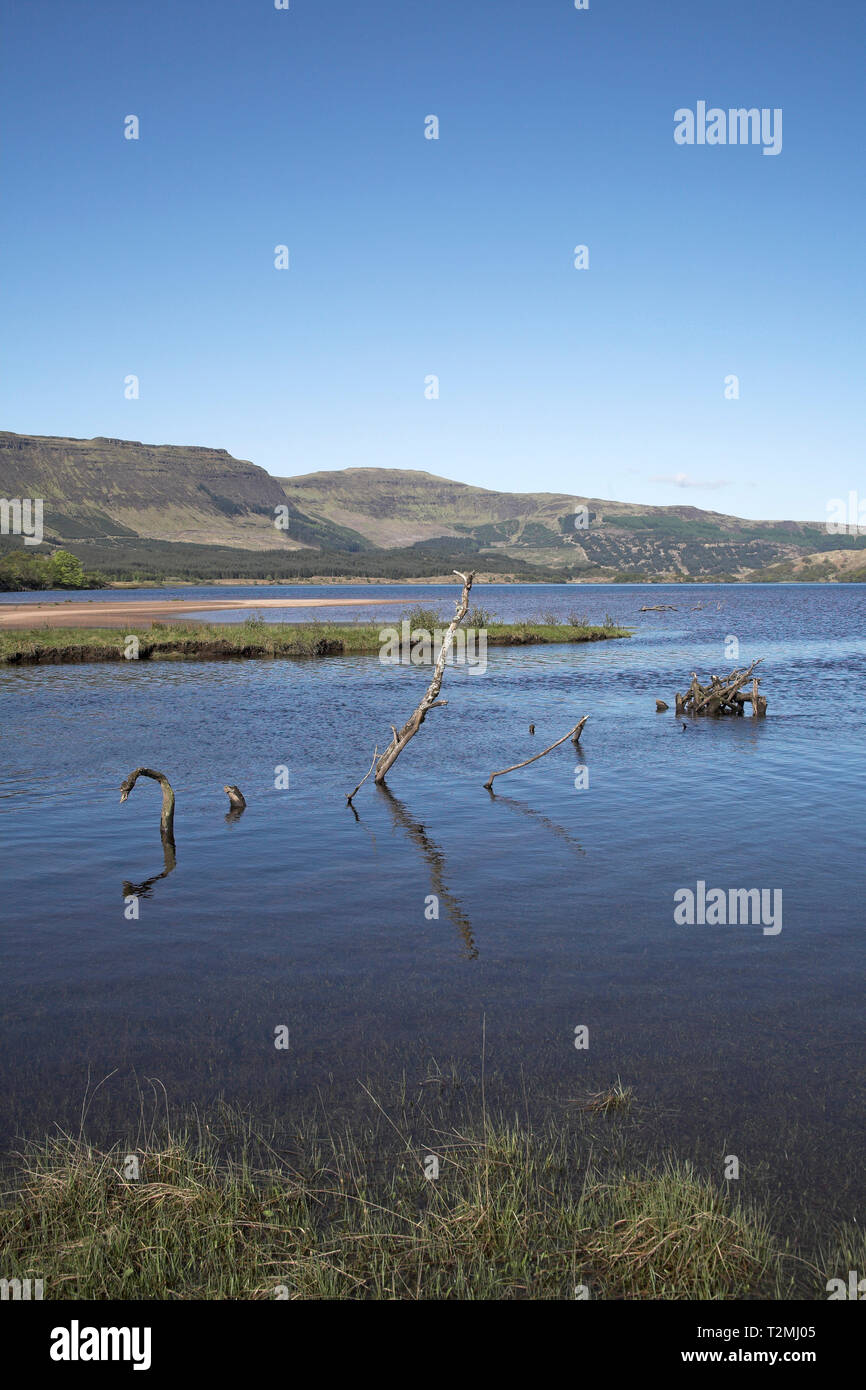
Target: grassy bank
pixel 253 639
pixel 512 1214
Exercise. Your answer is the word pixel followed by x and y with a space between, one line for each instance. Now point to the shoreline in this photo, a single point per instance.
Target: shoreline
pixel 67 613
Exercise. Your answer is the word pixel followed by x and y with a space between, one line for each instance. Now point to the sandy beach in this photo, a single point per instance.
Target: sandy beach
pixel 132 612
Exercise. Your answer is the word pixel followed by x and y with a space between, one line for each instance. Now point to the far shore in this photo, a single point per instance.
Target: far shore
pixel 94 614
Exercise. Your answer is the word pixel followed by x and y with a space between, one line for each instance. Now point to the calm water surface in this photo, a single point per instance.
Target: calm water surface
pixel 556 904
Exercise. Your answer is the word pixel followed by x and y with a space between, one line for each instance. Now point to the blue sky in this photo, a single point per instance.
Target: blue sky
pixel 411 257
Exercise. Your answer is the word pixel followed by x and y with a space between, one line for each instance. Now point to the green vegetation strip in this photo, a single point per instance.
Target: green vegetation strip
pixel 253 638
pixel 513 1213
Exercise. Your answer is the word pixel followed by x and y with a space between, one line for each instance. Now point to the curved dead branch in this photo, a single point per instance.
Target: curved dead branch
pixel 166 821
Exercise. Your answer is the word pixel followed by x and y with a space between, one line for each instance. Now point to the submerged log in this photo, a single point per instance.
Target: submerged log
pixel 661 706
pixel 578 729
pixel 166 821
pixel 237 804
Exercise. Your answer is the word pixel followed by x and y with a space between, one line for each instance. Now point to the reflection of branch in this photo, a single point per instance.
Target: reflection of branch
pixel 435 860
pixel 537 815
pixel 143 890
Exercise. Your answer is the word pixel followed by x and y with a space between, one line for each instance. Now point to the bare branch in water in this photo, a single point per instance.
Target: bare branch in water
pixel 166 822
pixel 431 697
pixel 363 779
pixel 572 734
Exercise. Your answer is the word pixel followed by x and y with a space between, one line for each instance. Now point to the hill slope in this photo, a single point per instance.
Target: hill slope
pixel 133 508
pixel 397 507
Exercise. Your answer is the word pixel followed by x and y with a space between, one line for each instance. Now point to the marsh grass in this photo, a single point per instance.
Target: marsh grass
pixel 615 1097
pixel 426 619
pixel 256 638
pixel 226 1208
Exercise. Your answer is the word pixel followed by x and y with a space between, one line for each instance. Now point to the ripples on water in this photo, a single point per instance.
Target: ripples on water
pixel 556 905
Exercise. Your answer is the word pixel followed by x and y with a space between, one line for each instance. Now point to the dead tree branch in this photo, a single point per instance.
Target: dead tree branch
pixel 572 733
pixel 363 779
pixel 166 822
pixel 431 698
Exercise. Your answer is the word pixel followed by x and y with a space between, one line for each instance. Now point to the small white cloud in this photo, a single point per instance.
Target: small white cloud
pixel 683 480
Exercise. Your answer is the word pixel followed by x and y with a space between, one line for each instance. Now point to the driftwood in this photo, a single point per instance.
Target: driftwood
pixel 661 706
pixel 724 695
pixel 431 697
pixel 573 734
pixel 166 821
pixel 659 608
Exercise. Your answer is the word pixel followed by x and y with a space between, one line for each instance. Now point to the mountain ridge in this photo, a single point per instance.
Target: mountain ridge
pixel 112 499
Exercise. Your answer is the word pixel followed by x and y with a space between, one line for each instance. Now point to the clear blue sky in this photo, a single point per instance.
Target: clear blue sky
pixel 453 257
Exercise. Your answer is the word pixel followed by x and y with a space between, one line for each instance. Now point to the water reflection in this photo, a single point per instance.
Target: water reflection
pixel 145 889
pixel 436 863
pixel 551 825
